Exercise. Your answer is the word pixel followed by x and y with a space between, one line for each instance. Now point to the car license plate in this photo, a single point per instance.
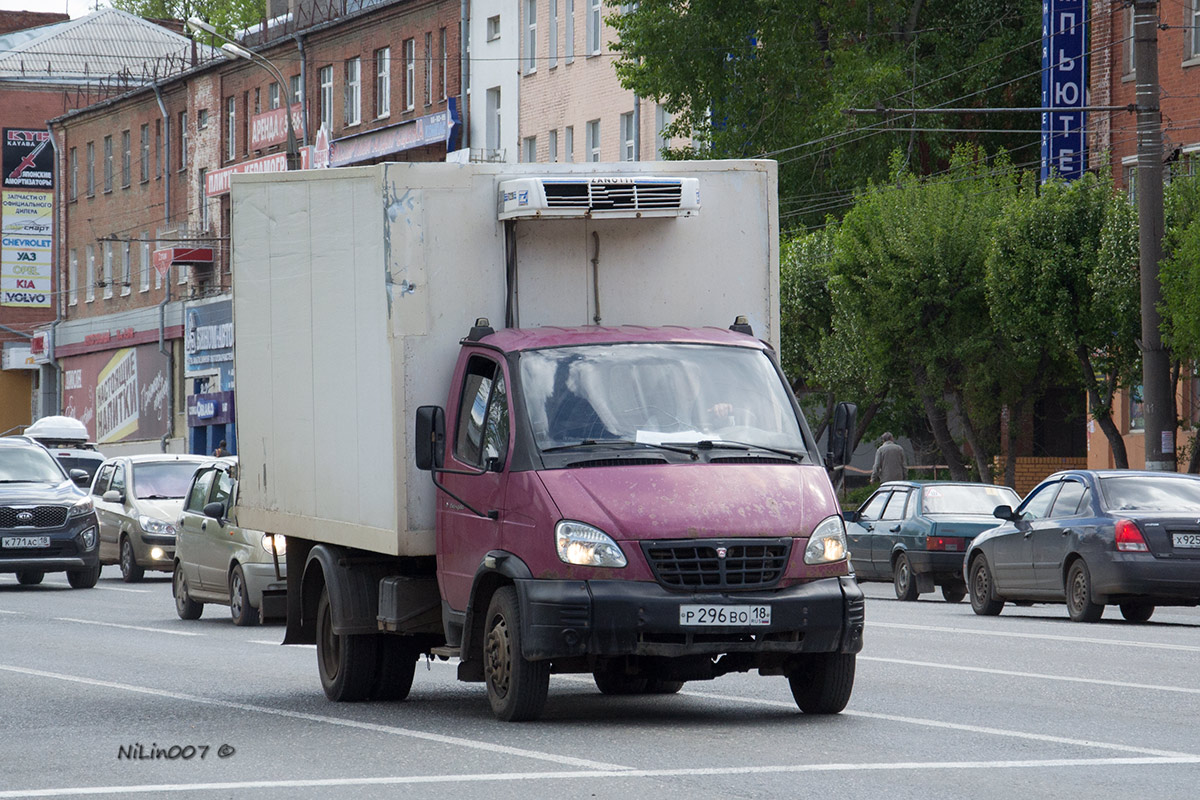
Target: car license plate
pixel 25 541
pixel 1186 539
pixel 724 616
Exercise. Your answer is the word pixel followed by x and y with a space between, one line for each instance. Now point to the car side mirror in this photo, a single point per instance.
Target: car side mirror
pixel 850 516
pixel 113 496
pixel 1003 512
pixel 430 443
pixel 79 477
pixel 215 510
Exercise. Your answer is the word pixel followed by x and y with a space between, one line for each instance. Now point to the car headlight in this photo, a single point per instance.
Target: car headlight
pixel 827 542
pixel 587 546
pixel 152 525
pixel 274 543
pixel 81 508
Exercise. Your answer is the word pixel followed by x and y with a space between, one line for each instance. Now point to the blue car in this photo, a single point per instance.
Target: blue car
pixel 914 533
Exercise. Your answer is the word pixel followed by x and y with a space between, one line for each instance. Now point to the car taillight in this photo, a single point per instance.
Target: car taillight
pixel 1129 537
pixel 953 543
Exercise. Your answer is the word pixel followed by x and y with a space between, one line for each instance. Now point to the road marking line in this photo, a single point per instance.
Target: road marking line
pixel 127 627
pixel 279 644
pixel 102 588
pixel 1043 676
pixel 1045 636
pixel 567 761
pixel 16 613
pixel 591 775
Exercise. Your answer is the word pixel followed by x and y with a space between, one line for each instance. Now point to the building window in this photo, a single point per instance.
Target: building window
pixel 593 141
pixel 72 279
pixel 125 157
pixel 410 74
pixel 552 55
pixel 530 149
pixel 273 101
pixel 353 91
pixel 108 270
pixel 90 290
pixel 126 279
pixel 1129 58
pixel 493 28
pixel 146 152
pixel 202 201
pixel 230 128
pixel 202 119
pixel 244 123
pixel 552 147
pixel 108 164
pixel 662 118
pixel 628 138
pixel 569 39
pixel 158 149
pixel 429 68
pixel 74 174
pixel 492 120
pixel 530 36
pixel 183 140
pixel 326 76
pixel 295 81
pixel 593 27
pixel 383 82
pixel 569 143
pixel 1131 182
pixel 145 262
pixel 445 61
pixel 91 169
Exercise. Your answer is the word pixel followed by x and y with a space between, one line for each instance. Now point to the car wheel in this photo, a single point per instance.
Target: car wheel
pixel 953 592
pixel 130 571
pixel 30 577
pixel 1137 612
pixel 903 579
pixel 240 609
pixel 347 663
pixel 83 578
pixel 516 687
pixel 823 682
pixel 185 606
pixel 614 682
pixel 983 598
pixel 1080 606
pixel 397 665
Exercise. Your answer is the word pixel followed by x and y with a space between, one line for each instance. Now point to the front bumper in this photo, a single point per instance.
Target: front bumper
pixel 561 619
pixel 65 553
pixel 1164 580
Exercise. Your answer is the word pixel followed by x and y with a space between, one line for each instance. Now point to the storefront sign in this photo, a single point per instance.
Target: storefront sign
pixel 217 182
pixel 164 257
pixel 439 128
pixel 17 355
pixel 40 346
pixel 213 408
pixel 119 395
pixel 271 127
pixel 28 159
pixel 26 248
pixel 208 337
pixel 1064 85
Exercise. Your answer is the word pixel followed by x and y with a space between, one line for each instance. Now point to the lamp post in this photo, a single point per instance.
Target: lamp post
pixel 235 50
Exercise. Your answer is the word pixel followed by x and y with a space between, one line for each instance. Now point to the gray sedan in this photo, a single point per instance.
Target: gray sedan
pixel 1091 538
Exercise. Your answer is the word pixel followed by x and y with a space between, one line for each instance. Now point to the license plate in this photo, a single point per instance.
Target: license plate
pixel 724 616
pixel 25 541
pixel 1186 539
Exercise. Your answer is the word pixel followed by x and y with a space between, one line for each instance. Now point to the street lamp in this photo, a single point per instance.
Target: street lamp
pixel 234 50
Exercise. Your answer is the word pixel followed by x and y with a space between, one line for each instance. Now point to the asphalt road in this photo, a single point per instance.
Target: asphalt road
pixel 95 683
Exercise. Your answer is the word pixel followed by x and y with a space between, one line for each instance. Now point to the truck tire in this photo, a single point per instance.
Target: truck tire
pixel 397 665
pixel 516 687
pixel 30 577
pixel 348 663
pixel 613 682
pixel 243 613
pixel 822 684
pixel 185 606
pixel 660 686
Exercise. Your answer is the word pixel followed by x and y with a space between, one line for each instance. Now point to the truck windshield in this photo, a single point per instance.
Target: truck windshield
pixel 655 394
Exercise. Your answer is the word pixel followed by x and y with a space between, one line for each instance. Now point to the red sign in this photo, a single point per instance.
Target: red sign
pixel 271 127
pixel 217 182
pixel 164 257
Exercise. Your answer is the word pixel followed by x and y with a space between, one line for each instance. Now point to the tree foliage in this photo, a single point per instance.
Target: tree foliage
pixel 227 16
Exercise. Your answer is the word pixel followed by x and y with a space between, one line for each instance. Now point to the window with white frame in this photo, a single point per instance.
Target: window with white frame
pixel 552 54
pixel 325 76
pixel 493 28
pixel 410 74
pixel 108 270
pixel 594 24
pixel 530 149
pixel 145 148
pixel 530 36
pixel 353 91
pixel 126 156
pixel 552 147
pixel 91 168
pixel 144 266
pixel 230 128
pixel 662 118
pixel 383 82
pixel 73 279
pixel 445 61
pixel 628 138
pixel 429 68
pixel 183 141
pixel 569 39
pixel 74 173
pixel 492 119
pixel 90 286
pixel 126 269
pixel 108 164
pixel 593 140
pixel 273 101
pixel 1130 28
pixel 158 150
pixel 569 144
pixel 202 201
pixel 1193 20
pixel 295 80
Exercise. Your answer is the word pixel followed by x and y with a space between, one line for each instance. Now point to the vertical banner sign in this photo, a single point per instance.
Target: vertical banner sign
pixel 1064 85
pixel 26 218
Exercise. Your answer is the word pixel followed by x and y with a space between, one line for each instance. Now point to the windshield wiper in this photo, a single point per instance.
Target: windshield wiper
pixel 21 480
pixel 729 444
pixel 622 443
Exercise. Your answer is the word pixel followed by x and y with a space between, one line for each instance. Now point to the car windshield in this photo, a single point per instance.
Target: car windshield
pixel 966 499
pixel 29 465
pixel 657 393
pixel 1144 493
pixel 162 480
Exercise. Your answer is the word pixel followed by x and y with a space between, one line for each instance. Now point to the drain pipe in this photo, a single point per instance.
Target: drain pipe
pixel 463 66
pixel 162 307
pixel 54 404
pixel 303 89
pixel 166 166
pixel 596 277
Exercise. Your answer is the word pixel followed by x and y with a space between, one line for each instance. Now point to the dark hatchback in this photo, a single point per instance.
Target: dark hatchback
pixel 1093 538
pixel 47 523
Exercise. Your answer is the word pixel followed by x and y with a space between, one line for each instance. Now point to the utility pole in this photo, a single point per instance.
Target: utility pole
pixel 1156 367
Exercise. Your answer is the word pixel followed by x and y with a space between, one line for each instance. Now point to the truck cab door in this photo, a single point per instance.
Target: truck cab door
pixel 478 443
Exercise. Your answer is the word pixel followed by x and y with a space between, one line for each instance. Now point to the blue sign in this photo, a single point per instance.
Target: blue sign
pixel 208 341
pixel 1064 85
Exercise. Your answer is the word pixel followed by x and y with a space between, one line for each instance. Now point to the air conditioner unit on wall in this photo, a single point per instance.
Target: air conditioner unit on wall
pixel 618 197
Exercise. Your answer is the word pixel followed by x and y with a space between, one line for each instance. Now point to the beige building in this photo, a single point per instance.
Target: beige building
pixel 571 106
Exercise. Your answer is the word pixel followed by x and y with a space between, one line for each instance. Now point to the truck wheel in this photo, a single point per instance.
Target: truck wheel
pixel 613 682
pixel 822 684
pixel 185 606
pixel 953 592
pixel 240 609
pixel 903 579
pixel 983 598
pixel 348 663
pixel 660 686
pixel 83 578
pixel 29 577
pixel 1079 595
pixel 130 571
pixel 516 687
pixel 397 664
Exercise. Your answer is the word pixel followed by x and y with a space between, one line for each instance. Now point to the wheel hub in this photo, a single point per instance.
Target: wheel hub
pixel 497 659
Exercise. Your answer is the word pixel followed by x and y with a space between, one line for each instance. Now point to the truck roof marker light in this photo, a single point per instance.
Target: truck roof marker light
pixel 741 324
pixel 480 329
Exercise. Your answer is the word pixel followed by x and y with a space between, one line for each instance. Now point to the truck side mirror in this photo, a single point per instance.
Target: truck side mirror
pixel 430 444
pixel 841 435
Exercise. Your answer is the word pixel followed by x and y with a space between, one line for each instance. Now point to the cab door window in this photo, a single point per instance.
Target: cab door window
pixel 874 507
pixel 102 481
pixel 1069 500
pixel 222 490
pixel 482 428
pixel 895 506
pixel 198 496
pixel 118 479
pixel 1037 505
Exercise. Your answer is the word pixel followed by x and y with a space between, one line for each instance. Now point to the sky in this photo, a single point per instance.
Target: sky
pixel 76 8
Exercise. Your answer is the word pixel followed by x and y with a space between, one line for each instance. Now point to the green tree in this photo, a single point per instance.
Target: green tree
pixel 1180 275
pixel 1062 282
pixel 227 16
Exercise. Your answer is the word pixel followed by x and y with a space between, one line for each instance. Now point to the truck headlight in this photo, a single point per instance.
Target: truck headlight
pixel 152 525
pixel 587 546
pixel 84 506
pixel 274 543
pixel 827 542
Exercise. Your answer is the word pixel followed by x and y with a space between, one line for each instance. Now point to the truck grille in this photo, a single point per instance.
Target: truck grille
pixel 613 194
pixel 701 564
pixel 33 516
